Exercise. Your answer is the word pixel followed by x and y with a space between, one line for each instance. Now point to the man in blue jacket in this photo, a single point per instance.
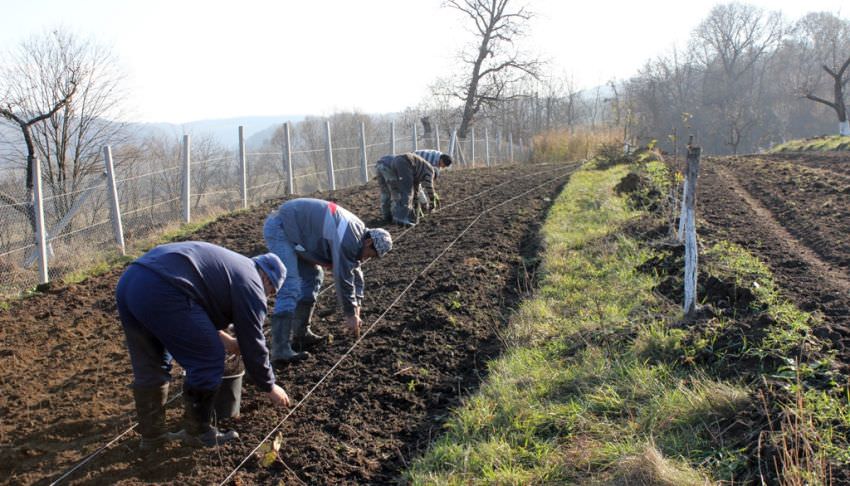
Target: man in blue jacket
pixel 308 235
pixel 176 301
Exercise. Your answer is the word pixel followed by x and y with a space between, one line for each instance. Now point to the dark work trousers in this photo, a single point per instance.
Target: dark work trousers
pixel 159 322
pixel 397 179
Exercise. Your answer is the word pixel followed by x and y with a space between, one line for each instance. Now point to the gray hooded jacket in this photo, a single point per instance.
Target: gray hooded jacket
pixel 326 234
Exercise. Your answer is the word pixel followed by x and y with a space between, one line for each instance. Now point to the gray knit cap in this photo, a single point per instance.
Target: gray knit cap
pixel 381 239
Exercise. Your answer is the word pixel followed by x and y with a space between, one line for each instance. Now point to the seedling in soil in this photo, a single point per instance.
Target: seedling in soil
pixel 267 454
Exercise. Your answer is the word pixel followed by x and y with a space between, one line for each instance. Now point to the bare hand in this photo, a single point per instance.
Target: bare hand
pixel 353 323
pixel 278 396
pixel 231 345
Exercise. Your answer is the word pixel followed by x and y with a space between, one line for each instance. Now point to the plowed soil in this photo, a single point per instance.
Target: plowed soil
pixel 64 384
pixel 791 211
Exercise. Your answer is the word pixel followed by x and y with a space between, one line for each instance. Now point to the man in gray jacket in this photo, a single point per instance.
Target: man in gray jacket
pixel 400 178
pixel 308 235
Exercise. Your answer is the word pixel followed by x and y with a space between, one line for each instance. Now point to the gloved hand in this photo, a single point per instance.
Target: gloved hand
pixel 435 204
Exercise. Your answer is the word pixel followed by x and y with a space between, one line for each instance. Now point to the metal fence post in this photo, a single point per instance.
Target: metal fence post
pixel 117 227
pixel 187 180
pixel 364 169
pixel 40 231
pixel 243 167
pixel 691 250
pixel 437 136
pixel 330 156
pixel 287 159
pixel 392 138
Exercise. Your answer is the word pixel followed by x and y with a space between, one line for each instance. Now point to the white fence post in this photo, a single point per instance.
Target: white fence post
pixel 243 167
pixel 415 138
pixel 330 156
pixel 392 138
pixel 437 136
pixel 117 227
pixel 40 231
pixel 187 180
pixel 287 159
pixel 472 151
pixel 364 169
pixel 453 144
pixel 691 250
pixel 511 145
pixel 487 147
pixel 499 149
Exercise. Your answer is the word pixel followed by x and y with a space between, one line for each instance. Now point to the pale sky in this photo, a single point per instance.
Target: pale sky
pixel 188 60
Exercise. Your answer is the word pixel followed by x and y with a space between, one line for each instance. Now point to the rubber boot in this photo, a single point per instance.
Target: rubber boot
pixel 386 210
pixel 401 214
pixel 304 337
pixel 281 352
pixel 150 412
pixel 197 415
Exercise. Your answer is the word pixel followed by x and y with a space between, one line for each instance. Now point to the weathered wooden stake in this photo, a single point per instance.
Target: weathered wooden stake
pixel 287 159
pixel 243 167
pixel 40 231
pixel 330 156
pixel 364 168
pixel 691 249
pixel 117 226
pixel 487 147
pixel 187 180
pixel 392 138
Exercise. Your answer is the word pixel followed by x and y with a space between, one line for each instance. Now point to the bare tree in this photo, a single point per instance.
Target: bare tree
pixel 495 63
pixel 60 90
pixel 734 44
pixel 824 41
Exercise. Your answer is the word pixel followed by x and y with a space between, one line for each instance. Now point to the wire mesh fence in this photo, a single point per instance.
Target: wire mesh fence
pixel 81 223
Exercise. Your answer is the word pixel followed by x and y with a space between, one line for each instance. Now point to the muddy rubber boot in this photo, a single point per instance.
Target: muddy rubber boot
pixel 401 216
pixel 197 415
pixel 304 337
pixel 150 412
pixel 282 329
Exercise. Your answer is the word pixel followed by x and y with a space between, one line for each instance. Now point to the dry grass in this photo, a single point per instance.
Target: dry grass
pixel 558 145
pixel 651 468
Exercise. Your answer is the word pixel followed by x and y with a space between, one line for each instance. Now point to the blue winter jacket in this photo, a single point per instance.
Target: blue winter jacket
pixel 228 287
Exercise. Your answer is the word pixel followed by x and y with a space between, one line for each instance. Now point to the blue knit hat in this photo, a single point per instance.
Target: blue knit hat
pixel 274 268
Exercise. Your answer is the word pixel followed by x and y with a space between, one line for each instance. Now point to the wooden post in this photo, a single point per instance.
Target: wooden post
pixel 415 138
pixel 330 157
pixel 40 231
pixel 187 180
pixel 437 137
pixel 243 167
pixel 392 138
pixel 487 147
pixel 287 159
pixel 472 151
pixel 364 168
pixel 117 227
pixel 511 145
pixel 691 249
